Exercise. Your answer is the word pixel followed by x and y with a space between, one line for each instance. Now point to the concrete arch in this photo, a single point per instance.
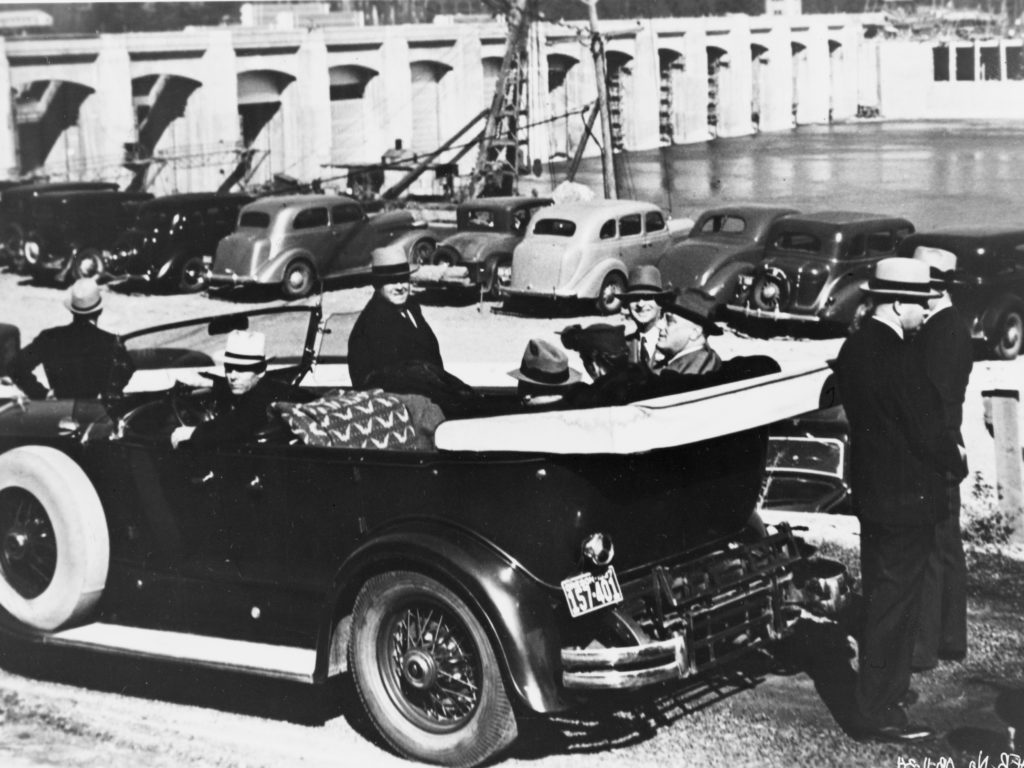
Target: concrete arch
pixel 671 69
pixel 49 137
pixel 801 76
pixel 758 83
pixel 260 99
pixel 565 98
pixel 428 99
pixel 620 97
pixel 836 56
pixel 719 59
pixel 355 93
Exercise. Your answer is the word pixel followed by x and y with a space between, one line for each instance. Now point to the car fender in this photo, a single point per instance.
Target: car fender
pixel 993 313
pixel 847 296
pixel 518 612
pixel 721 283
pixel 273 270
pixel 588 284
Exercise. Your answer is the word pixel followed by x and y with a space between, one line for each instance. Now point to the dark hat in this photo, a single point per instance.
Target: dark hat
pixel 389 264
pixel 644 282
pixel 698 307
pixel 941 265
pixel 900 278
pixel 599 337
pixel 545 365
pixel 84 298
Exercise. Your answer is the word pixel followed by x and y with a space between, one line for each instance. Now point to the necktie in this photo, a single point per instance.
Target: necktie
pixel 408 316
pixel 645 356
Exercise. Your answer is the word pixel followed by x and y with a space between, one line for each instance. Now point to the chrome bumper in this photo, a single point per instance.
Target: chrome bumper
pixel 216 278
pixel 697 616
pixel 771 314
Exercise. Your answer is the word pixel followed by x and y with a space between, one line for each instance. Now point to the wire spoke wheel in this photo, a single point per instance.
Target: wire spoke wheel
pixel 28 549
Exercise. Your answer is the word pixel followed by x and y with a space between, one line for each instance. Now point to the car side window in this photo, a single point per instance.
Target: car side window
pixel 630 225
pixel 881 242
pixel 798 241
pixel 654 221
pixel 607 230
pixel 310 218
pixel 343 214
pixel 733 225
pixel 855 249
pixel 903 233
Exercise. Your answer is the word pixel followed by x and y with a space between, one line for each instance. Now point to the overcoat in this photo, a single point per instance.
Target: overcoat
pixel 383 337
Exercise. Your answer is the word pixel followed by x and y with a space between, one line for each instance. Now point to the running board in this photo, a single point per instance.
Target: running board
pixel 277 661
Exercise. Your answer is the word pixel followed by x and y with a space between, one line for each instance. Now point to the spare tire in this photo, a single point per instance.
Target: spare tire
pixel 54 543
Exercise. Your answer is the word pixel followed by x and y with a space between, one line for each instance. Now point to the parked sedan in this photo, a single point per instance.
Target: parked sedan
pixel 480 252
pixel 990 293
pixel 584 250
pixel 724 243
pixel 814 265
pixel 295 241
pixel 497 571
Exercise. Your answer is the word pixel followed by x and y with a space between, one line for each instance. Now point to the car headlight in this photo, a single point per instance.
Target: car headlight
pixel 598 549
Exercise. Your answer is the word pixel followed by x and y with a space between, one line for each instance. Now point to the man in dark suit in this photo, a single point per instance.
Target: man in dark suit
pixel 901 458
pixel 80 360
pixel 944 346
pixel 391 329
pixel 642 297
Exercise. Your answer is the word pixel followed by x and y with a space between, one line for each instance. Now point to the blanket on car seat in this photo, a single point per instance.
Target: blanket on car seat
pixel 362 419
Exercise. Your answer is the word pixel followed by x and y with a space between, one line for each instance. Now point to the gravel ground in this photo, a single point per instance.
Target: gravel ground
pixel 66 709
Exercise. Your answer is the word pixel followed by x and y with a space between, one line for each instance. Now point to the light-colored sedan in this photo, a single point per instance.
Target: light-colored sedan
pixel 583 250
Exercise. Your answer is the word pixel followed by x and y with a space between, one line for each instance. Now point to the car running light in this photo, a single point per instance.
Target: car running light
pixel 598 549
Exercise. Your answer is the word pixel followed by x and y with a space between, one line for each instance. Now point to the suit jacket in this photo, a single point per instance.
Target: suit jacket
pixel 80 361
pixel 703 360
pixel 901 458
pixel 382 338
pixel 239 417
pixel 633 348
pixel 947 357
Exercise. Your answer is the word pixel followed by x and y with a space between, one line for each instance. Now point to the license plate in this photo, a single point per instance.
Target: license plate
pixel 586 592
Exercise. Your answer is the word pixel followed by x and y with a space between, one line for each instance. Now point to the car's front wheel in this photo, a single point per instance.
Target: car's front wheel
pixel 54 544
pixel 298 280
pixel 88 262
pixel 422 251
pixel 609 300
pixel 426 673
pixel 191 275
pixel 1009 335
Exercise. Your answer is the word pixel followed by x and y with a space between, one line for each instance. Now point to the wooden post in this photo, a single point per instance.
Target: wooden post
pixel 600 65
pixel 1002 407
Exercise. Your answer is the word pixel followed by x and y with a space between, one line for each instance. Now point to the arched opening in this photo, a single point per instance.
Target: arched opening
pixel 836 56
pixel 159 103
pixel 620 95
pixel 800 73
pixel 758 81
pixel 49 137
pixel 565 97
pixel 718 60
pixel 351 93
pixel 427 106
pixel 671 67
pixel 261 120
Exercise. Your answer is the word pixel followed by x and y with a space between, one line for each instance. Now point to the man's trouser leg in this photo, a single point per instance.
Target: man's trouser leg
pixel 943 624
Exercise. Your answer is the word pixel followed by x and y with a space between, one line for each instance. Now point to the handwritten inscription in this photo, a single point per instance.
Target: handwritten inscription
pixel 1003 760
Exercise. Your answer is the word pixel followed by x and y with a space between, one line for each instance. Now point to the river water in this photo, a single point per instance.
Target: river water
pixel 937 174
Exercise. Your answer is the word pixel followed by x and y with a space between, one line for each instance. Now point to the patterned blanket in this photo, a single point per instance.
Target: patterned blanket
pixel 353 419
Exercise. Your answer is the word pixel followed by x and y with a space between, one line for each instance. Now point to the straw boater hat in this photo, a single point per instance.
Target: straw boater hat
pixel 389 264
pixel 245 349
pixel 545 365
pixel 84 297
pixel 698 307
pixel 898 278
pixel 599 337
pixel 644 282
pixel 941 265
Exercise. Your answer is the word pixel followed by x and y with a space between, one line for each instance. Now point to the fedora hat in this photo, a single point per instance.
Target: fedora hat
pixel 900 278
pixel 245 349
pixel 941 265
pixel 599 337
pixel 644 282
pixel 84 297
pixel 698 307
pixel 545 365
pixel 389 264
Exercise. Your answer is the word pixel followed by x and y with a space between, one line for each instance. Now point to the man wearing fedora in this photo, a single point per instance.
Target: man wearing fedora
pixel 642 297
pixel 80 359
pixel 544 375
pixel 391 329
pixel 683 336
pixel 900 459
pixel 946 357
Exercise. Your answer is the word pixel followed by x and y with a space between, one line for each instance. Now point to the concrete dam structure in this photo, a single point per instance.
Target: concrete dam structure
pixel 185 107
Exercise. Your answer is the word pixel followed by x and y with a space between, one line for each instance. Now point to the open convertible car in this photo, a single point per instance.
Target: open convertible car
pixel 517 563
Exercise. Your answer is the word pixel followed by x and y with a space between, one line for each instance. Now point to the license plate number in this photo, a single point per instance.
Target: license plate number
pixel 586 592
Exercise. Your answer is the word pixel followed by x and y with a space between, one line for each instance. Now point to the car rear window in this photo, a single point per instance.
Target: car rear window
pixel 254 220
pixel 479 220
pixel 556 227
pixel 797 241
pixel 729 225
pixel 630 225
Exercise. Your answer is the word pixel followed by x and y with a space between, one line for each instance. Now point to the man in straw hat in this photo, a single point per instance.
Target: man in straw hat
pixel 683 337
pixel 642 297
pixel 80 360
pixel 391 329
pixel 946 353
pixel 243 397
pixel 900 458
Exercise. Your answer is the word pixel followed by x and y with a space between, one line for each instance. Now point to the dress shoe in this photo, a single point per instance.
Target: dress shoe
pixel 909 698
pixel 896 734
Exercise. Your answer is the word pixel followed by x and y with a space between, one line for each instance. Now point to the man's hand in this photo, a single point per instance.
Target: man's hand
pixel 180 434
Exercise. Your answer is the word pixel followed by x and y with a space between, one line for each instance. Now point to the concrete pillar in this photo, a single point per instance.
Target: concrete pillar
pixel 213 112
pixel 1001 408
pixel 458 89
pixel 867 74
pixel 106 119
pixel 307 107
pixel 643 116
pixel 736 82
pixel 694 96
pixel 395 116
pixel 815 86
pixel 844 73
pixel 777 85
pixel 902 69
pixel 537 139
pixel 8 136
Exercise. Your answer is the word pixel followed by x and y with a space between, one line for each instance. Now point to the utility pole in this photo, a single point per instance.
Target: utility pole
pixel 607 157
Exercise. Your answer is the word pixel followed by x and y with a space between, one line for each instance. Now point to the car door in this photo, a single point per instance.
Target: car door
pixel 350 233
pixel 311 232
pixel 631 243
pixel 655 237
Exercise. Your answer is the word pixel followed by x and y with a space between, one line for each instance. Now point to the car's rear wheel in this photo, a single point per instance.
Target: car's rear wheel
pixel 54 544
pixel 498 273
pixel 426 673
pixel 298 280
pixel 191 275
pixel 609 300
pixel 1009 335
pixel 11 242
pixel 421 252
pixel 88 262
pixel 31 251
